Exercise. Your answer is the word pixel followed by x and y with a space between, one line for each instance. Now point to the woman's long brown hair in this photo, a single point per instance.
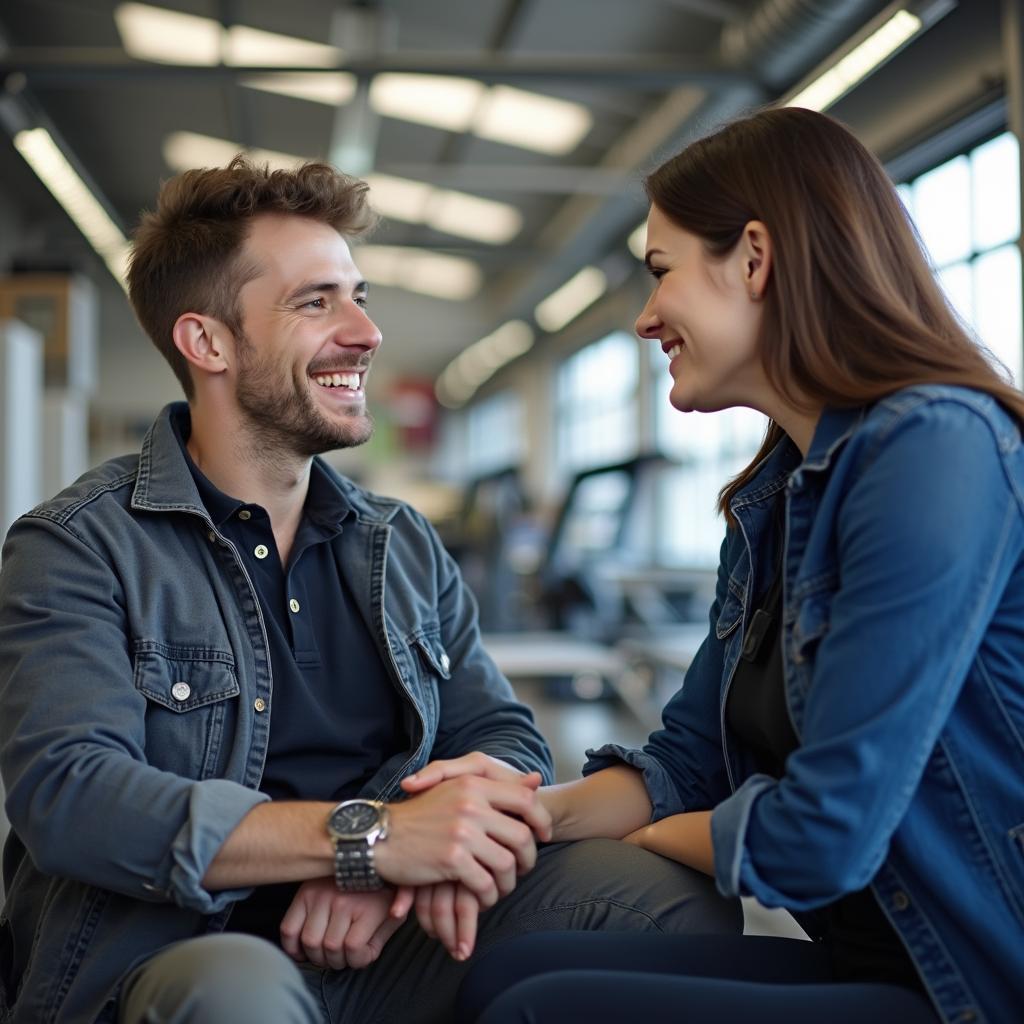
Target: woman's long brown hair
pixel 852 310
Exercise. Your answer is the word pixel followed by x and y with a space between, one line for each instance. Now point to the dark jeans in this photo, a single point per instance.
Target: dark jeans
pixel 683 979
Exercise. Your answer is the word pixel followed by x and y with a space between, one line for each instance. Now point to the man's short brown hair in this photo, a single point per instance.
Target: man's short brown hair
pixel 186 256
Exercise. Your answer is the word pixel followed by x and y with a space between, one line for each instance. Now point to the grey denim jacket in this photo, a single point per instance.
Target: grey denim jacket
pixel 120 791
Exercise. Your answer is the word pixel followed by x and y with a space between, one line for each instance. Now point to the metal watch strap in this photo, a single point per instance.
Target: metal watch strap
pixel 354 870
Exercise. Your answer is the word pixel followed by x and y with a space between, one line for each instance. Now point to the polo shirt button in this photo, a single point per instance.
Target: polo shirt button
pixel 181 691
pixel 260 704
pixel 293 604
pixel 211 536
pixel 900 900
pixel 245 514
pixel 261 551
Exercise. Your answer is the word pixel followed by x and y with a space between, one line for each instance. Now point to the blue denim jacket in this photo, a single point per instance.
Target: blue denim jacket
pixel 903 640
pixel 120 794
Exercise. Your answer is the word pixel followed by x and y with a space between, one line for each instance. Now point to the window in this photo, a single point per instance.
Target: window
pixel 711 449
pixel 485 437
pixel 596 411
pixel 967 211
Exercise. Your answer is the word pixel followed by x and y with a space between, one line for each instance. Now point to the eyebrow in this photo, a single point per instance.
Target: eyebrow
pixel 309 287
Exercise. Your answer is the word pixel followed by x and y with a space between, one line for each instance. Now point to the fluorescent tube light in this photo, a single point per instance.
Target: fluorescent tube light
pixel 171 37
pixel 419 270
pixel 331 88
pixel 637 240
pixel 480 361
pixel 532 121
pixel 441 101
pixel 860 62
pixel 252 47
pixel 456 213
pixel 567 302
pixel 184 151
pixel 468 216
pixel 43 155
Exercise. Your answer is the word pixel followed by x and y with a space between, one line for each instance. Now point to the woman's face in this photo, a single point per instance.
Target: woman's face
pixel 706 312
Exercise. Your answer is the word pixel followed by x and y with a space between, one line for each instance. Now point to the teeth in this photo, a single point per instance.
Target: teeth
pixel 674 351
pixel 338 380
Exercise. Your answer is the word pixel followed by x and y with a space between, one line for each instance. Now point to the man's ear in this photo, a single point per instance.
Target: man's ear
pixel 755 252
pixel 204 341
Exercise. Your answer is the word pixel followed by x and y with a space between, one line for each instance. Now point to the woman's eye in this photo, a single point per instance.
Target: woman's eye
pixel 656 272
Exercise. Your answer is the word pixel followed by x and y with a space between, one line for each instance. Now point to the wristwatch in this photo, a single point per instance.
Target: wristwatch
pixel 354 826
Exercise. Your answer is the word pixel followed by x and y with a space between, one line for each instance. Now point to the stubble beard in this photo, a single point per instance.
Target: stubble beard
pixel 285 419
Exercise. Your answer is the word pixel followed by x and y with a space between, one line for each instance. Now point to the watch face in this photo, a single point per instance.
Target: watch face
pixel 355 819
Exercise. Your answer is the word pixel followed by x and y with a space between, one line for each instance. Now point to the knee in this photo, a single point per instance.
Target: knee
pixel 671 896
pixel 217 979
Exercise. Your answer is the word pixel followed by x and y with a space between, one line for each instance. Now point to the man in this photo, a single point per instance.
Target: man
pixel 219 660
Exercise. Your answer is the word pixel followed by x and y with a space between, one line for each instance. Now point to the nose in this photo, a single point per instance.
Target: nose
pixel 355 329
pixel 648 323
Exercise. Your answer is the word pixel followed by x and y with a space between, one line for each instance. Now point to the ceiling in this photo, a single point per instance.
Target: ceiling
pixel 642 77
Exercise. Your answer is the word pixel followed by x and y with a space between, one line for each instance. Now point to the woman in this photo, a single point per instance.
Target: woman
pixel 849 741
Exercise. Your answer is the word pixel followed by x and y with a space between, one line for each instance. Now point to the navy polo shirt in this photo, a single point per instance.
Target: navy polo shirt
pixel 335 714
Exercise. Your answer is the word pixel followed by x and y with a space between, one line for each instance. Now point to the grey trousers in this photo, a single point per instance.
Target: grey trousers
pixel 597 884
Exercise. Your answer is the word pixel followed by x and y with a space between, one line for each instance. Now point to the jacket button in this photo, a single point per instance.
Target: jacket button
pixel 900 900
pixel 260 704
pixel 967 1016
pixel 181 691
pixel 445 662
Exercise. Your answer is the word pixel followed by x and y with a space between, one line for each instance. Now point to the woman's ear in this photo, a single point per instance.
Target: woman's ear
pixel 203 341
pixel 755 247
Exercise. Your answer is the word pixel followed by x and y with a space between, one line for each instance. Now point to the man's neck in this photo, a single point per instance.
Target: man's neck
pixel 276 481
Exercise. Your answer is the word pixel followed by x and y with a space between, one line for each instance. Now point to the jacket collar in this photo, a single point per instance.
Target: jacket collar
pixel 165 483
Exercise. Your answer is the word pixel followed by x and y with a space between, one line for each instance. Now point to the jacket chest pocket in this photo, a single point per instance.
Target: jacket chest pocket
pixel 431 666
pixel 813 617
pixel 191 699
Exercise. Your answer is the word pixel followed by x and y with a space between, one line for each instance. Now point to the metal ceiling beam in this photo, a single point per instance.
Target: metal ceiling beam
pixel 61 65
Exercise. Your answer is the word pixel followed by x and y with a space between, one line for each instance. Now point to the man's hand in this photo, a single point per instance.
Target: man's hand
pixel 341 929
pixel 447 912
pixel 472 830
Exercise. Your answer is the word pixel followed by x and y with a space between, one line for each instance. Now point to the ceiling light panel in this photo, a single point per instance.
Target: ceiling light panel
pixel 858 63
pixel 484 220
pixel 532 121
pixel 170 37
pixel 333 89
pixel 184 151
pixel 437 100
pixel 637 241
pixel 567 302
pixel 157 34
pixel 429 273
pixel 251 47
pixel 400 198
pixel 44 156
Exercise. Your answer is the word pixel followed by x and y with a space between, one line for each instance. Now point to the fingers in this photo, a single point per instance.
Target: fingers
pixel 467 911
pixel 443 912
pixel 405 896
pixel 425 908
pixel 291 926
pixel 477 763
pixel 311 938
pixel 367 936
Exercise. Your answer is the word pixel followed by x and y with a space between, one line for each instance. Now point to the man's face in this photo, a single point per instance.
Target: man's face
pixel 308 343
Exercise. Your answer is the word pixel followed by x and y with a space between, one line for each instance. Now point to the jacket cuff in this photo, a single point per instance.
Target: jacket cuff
pixel 729 822
pixel 216 806
pixel 660 787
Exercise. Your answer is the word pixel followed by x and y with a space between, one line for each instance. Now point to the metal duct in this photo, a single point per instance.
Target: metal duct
pixel 779 40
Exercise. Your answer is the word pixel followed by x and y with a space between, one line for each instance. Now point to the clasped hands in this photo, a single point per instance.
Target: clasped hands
pixel 468 829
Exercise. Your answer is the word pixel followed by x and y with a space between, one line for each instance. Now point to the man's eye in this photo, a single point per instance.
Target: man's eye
pixel 362 301
pixel 315 303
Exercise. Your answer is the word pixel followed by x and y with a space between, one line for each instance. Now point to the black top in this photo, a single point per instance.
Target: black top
pixel 862 943
pixel 336 716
